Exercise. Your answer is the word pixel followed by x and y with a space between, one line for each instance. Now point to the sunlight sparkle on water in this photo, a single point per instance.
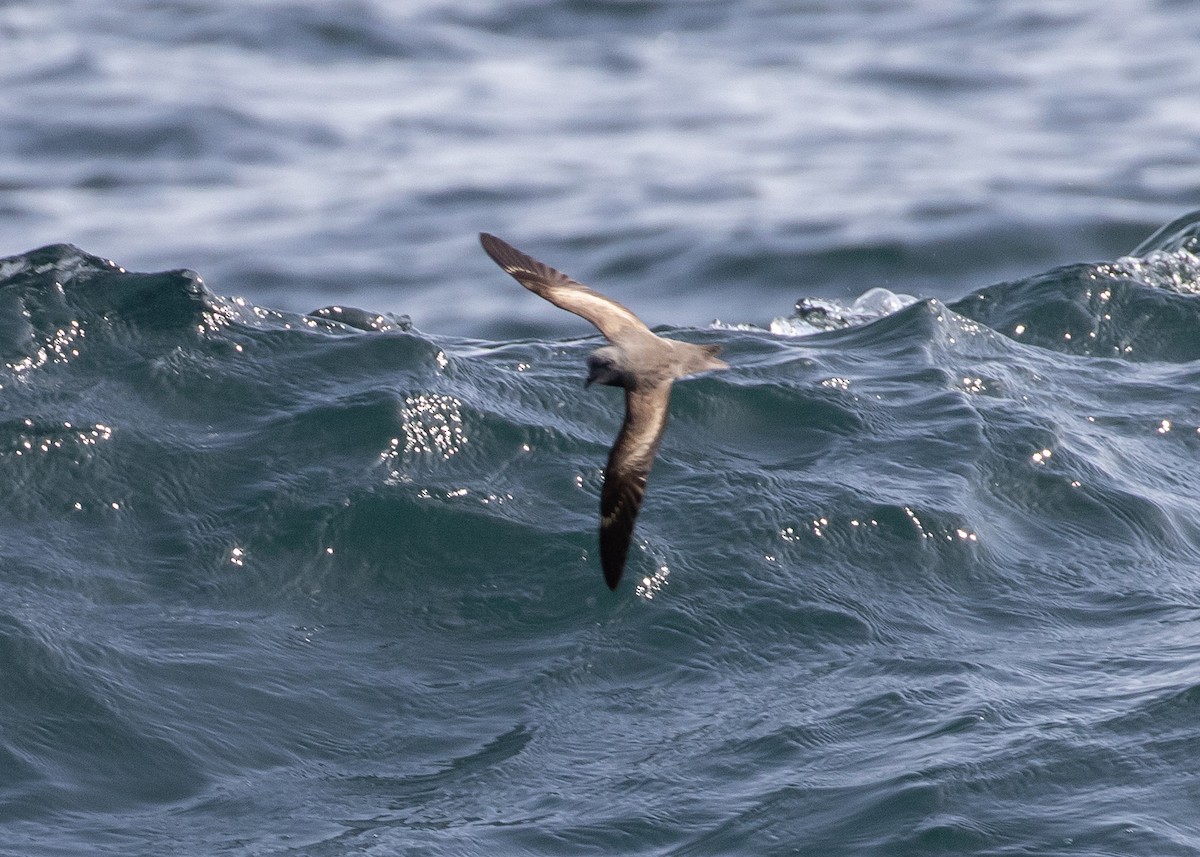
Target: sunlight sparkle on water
pixel 432 425
pixel 652 584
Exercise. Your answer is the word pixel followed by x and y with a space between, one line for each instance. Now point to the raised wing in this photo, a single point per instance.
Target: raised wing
pixel 629 465
pixel 612 319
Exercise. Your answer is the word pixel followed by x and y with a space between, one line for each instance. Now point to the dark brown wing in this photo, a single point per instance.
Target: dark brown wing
pixel 629 465
pixel 612 319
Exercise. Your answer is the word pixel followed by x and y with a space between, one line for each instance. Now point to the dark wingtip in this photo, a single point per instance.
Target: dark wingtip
pixel 612 559
pixel 502 253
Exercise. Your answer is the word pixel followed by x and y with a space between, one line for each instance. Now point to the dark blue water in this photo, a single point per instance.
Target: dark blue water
pixel 918 575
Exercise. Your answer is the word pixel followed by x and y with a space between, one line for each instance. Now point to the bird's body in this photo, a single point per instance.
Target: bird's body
pixel 638 360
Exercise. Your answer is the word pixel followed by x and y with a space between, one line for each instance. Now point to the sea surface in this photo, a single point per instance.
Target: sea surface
pixel 298 547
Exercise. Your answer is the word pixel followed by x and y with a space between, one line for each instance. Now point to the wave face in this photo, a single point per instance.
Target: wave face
pixel 327 584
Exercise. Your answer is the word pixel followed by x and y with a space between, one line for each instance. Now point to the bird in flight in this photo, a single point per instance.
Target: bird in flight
pixel 641 362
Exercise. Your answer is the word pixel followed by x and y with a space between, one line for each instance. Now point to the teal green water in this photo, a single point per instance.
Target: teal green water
pixel 917 576
pixel 278 584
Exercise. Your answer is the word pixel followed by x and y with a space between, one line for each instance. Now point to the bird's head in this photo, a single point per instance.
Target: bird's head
pixel 604 367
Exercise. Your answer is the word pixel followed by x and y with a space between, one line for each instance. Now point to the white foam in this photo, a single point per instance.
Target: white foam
pixel 818 315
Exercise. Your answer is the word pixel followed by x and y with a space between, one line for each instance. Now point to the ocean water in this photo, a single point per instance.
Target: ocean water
pixel 298 552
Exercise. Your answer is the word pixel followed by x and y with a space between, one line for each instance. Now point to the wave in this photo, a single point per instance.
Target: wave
pixel 230 531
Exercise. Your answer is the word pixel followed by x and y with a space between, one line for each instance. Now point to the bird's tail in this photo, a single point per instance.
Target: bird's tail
pixel 703 358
